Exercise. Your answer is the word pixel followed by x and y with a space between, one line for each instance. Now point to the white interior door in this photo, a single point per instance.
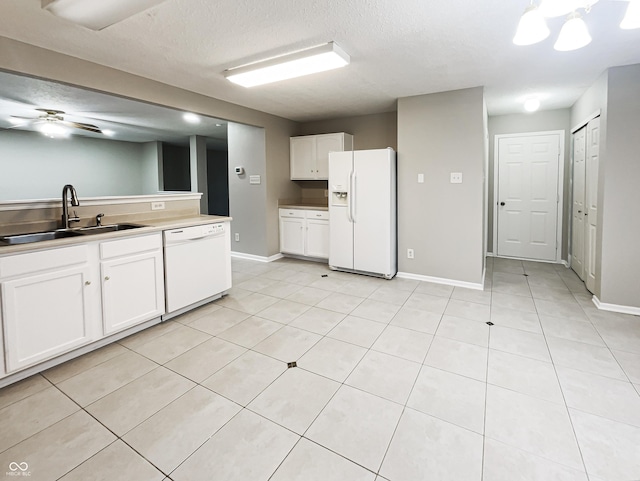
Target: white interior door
pixel 591 201
pixel 579 212
pixel 527 199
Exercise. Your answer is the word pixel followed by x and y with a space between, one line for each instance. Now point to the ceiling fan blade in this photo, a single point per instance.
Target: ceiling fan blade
pixel 88 127
pixel 23 118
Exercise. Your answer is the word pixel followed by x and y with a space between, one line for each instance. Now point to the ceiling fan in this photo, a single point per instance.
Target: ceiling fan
pixel 50 120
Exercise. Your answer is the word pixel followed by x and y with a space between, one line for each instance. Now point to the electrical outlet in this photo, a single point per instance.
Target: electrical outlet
pixel 456 177
pixel 157 205
pixel 237 237
pixel 409 253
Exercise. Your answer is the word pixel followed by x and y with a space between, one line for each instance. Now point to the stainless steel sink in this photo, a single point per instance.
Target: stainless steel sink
pixel 101 229
pixel 63 233
pixel 36 237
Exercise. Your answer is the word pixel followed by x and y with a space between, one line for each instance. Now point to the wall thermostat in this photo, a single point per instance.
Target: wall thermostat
pixel 239 170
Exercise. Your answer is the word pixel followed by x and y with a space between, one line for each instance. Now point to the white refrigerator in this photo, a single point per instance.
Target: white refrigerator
pixel 362 212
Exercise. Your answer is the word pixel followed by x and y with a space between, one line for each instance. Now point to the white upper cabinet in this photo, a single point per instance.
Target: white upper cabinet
pixel 310 154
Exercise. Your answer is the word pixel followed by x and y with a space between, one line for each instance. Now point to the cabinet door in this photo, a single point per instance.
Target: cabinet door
pixel 317 238
pixel 45 315
pixel 303 157
pixel 132 290
pixel 325 144
pixel 292 235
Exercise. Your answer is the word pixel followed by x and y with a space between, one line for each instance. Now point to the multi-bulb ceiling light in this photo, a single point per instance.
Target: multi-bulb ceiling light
pixel 574 33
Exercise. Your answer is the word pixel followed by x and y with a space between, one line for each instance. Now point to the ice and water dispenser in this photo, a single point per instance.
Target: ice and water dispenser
pixel 338 195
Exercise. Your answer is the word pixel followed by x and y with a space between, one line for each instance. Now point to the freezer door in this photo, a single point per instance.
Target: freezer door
pixel 340 226
pixel 374 206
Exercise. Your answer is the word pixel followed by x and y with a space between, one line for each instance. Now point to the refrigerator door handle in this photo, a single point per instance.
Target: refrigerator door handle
pixel 349 218
pixel 354 179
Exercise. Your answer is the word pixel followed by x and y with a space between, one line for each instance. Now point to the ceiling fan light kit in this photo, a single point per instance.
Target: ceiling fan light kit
pixel 574 34
pixel 97 15
pixel 316 59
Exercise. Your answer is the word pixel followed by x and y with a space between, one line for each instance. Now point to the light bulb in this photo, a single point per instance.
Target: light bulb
pixel 573 35
pixel 191 118
pixel 531 105
pixel 632 17
pixel 532 27
pixel 53 130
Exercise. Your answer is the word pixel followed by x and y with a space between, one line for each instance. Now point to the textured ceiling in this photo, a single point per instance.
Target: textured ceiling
pixel 398 48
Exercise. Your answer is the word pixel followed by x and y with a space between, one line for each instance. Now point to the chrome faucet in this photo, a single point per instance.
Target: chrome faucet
pixel 99 220
pixel 65 206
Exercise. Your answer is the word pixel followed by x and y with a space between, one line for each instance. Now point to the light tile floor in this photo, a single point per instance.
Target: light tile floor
pixel 396 380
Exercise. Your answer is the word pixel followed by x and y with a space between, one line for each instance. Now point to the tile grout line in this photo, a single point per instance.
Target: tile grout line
pixel 575 436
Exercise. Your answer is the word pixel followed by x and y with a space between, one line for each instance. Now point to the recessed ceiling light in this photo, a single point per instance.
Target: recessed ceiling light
pixel 191 118
pixel 531 105
pixel 218 125
pixel 108 133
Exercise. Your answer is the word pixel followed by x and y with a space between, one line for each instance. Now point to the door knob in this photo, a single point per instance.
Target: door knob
pixel 501 203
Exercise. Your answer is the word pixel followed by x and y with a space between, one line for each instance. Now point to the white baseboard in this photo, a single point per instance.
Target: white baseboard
pixel 441 280
pixel 251 257
pixel 603 306
pixel 490 254
pixel 565 263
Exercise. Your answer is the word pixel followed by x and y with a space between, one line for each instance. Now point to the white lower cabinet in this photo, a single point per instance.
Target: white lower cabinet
pixel 304 232
pixel 132 288
pixel 52 301
pixel 50 304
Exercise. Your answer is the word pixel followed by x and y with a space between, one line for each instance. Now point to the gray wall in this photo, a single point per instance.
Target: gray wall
pixel 593 100
pixel 439 134
pixel 152 174
pixel 524 123
pixel 247 202
pixel 376 131
pixel 621 176
pixel 31 60
pixel 33 166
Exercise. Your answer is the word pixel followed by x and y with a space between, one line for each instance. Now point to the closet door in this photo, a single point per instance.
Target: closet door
pixel 591 201
pixel 579 211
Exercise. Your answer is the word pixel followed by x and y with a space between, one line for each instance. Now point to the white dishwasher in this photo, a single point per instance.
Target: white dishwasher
pixel 197 264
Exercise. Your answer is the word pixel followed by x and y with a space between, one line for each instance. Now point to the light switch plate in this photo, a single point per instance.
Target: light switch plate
pixel 420 178
pixel 254 179
pixel 456 177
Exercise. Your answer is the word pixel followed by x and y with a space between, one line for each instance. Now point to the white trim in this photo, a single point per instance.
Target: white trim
pixel 491 254
pixel 584 122
pixel 603 306
pixel 252 257
pixel 566 264
pixel 6 205
pixel 560 188
pixel 441 280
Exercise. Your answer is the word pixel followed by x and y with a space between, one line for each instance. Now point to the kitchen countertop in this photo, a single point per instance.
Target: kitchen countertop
pixel 304 206
pixel 150 226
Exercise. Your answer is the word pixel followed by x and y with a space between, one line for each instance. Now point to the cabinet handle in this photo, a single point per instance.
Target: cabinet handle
pixel 106 278
pixel 87 283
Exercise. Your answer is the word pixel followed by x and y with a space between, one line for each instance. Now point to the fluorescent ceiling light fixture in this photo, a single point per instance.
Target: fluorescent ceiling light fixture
pixel 573 35
pixel 632 17
pixel 97 15
pixel 191 118
pixel 532 27
pixel 531 105
pixel 321 58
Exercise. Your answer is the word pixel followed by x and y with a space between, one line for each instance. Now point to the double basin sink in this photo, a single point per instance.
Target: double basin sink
pixel 63 233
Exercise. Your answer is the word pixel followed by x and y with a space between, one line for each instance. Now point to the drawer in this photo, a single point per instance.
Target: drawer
pixel 292 213
pixel 21 264
pixel 130 245
pixel 318 214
